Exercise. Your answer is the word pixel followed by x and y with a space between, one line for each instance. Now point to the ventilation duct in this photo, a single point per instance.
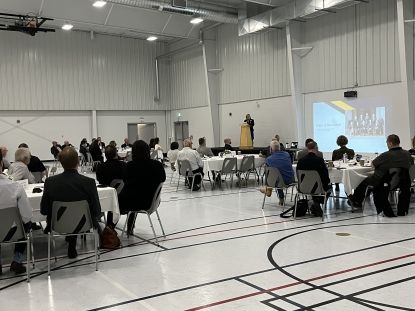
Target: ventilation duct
pixel 210 12
pixel 295 10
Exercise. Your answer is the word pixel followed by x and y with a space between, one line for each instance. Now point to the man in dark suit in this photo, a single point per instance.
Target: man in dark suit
pixel 70 186
pixel 108 171
pixel 228 145
pixel 305 151
pixel 101 144
pixel 248 120
pixel 126 144
pixel 396 157
pixel 312 162
pixel 55 149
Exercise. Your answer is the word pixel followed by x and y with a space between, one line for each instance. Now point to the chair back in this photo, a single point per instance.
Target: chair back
pixel 173 166
pixel 38 177
pixel 247 164
pixel 398 177
pixel 273 178
pixel 11 225
pixel 412 173
pixel 229 165
pixel 53 171
pixel 129 156
pixel 117 184
pixel 309 182
pixel 185 168
pixel 71 217
pixel 156 200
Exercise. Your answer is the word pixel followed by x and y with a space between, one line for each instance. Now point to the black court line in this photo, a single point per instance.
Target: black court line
pixel 207 196
pixel 385 305
pixel 345 280
pixel 270 293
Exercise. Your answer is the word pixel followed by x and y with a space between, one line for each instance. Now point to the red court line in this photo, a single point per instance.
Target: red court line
pixel 221 302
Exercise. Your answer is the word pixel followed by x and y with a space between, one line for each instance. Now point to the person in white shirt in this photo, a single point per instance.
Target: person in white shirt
pixel 18 170
pixel 172 154
pixel 196 163
pixel 12 194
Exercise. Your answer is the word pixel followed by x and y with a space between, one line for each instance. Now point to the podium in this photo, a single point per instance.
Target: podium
pixel 246 139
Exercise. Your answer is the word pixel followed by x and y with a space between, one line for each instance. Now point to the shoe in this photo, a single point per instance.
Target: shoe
pixel 17 268
pixel 72 253
pixel 281 202
pixel 353 203
pixel 266 190
pixel 35 226
pixel 196 188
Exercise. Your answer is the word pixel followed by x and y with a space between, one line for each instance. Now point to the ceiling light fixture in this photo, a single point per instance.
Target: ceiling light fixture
pixel 152 38
pixel 67 26
pixel 99 4
pixel 196 20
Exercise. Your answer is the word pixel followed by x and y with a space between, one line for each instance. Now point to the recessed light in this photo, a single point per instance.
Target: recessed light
pixel 99 4
pixel 67 26
pixel 152 38
pixel 196 20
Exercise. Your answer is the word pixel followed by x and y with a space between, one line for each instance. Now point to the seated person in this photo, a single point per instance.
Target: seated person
pixel 338 153
pixel 95 151
pixel 228 143
pixel 313 162
pixel 70 186
pixel 112 169
pixel 411 151
pixel 12 194
pixel 172 154
pixel 55 149
pixel 280 160
pixel 396 157
pixel 203 150
pixel 101 144
pixel 305 151
pixel 157 144
pixel 142 176
pixel 35 165
pixel 66 144
pixel 126 144
pixel 84 148
pixel 6 164
pixel 277 137
pixel 187 153
pixel 18 170
pixel 113 143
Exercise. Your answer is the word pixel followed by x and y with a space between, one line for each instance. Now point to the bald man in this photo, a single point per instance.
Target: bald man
pixel 70 186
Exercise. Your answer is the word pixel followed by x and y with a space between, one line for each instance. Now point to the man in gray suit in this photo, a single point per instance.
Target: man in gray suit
pixel 70 186
pixel 302 153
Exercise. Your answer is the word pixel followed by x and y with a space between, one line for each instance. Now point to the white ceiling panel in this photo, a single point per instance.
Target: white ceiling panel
pixel 20 6
pixel 75 10
pixel 140 19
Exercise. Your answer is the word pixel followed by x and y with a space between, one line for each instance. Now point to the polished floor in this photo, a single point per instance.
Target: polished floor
pixel 223 252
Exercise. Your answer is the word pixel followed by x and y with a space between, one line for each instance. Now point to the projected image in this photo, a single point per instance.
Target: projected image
pixel 362 121
pixel 366 122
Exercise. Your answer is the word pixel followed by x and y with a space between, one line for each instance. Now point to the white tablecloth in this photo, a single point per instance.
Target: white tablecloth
pixel 215 163
pixel 107 198
pixel 349 176
pixel 123 153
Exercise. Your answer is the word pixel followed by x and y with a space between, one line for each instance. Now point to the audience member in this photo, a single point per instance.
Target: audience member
pixel 84 148
pixel 157 144
pixel 66 144
pixel 396 157
pixel 101 144
pixel 196 164
pixel 203 150
pixel 152 144
pixel 6 164
pixel 113 143
pixel 95 151
pixel 277 137
pixel 55 149
pixel 411 151
pixel 280 160
pixel 228 143
pixel 112 169
pixel 313 162
pixel 142 176
pixel 172 154
pixel 126 144
pixel 35 165
pixel 12 194
pixel 18 170
pixel 302 153
pixel 70 186
pixel 338 153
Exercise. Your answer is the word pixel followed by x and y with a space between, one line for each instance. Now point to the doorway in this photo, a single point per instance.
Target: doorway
pixel 142 131
pixel 181 131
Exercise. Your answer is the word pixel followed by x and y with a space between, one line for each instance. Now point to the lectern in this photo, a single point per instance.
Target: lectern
pixel 246 139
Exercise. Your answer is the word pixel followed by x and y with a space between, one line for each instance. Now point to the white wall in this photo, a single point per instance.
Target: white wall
pixel 272 116
pixel 112 125
pixel 199 123
pixel 69 71
pixel 397 122
pixel 39 128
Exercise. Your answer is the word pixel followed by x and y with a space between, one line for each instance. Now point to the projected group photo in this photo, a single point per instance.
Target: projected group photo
pixel 366 122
